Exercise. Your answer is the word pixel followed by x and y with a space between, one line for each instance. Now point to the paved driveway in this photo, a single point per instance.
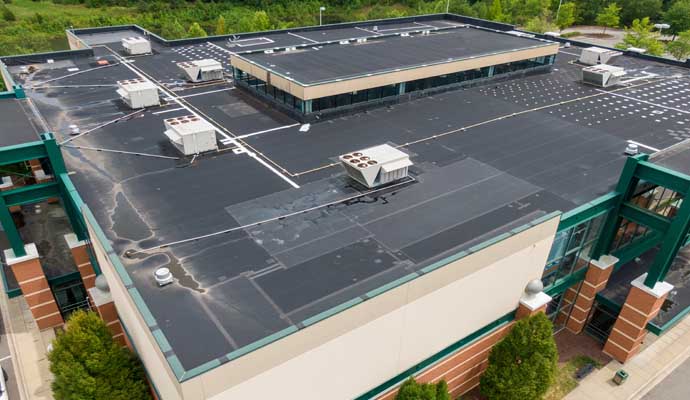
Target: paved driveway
pixel 673 387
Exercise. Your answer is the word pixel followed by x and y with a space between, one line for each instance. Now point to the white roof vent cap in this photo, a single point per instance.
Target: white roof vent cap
pixel 631 149
pixel 163 276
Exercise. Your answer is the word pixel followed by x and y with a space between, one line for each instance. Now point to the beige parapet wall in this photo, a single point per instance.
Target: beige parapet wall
pixel 156 365
pixel 317 91
pixel 354 351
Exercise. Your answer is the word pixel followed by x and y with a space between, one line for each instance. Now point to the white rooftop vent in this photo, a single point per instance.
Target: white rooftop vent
pixel 269 51
pixel 596 55
pixel 426 32
pixel 520 34
pixel 345 42
pixel 405 34
pixel 376 165
pixel 552 34
pixel 138 93
pixel 202 70
pixel 631 149
pixel 163 276
pixel 602 75
pixel 362 40
pixel 136 45
pixel 74 130
pixel 191 134
pixel 292 48
pixel 636 50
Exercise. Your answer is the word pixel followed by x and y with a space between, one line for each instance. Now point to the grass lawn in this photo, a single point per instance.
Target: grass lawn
pixel 565 377
pixel 27 8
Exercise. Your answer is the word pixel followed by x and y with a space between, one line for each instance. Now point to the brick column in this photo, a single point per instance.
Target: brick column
pixel 597 276
pixel 533 301
pixel 35 288
pixel 81 258
pixel 640 307
pixel 105 307
pixel 7 184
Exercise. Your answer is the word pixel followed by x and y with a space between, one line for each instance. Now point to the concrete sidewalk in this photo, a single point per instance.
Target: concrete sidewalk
pixel 28 346
pixel 658 358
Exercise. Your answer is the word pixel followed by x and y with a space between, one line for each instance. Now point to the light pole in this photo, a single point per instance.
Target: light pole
pixel 447 6
pixel 559 8
pixel 321 10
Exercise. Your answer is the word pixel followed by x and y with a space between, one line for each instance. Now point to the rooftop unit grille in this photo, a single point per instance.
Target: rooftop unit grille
pixel 376 165
pixel 202 70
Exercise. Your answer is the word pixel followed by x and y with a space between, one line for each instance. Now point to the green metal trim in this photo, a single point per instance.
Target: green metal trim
pixel 658 330
pixel 161 340
pixel 141 306
pixel 466 341
pixel 588 211
pixel 391 285
pixel 663 176
pixel 563 284
pixel 608 303
pixel 644 217
pixel 68 277
pixel 22 152
pixel 332 311
pixel 261 343
pixel 176 367
pixel 189 374
pixel 30 194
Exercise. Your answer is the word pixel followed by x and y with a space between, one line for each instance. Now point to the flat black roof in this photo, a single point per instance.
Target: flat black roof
pixel 316 63
pixel 16 130
pixel 487 160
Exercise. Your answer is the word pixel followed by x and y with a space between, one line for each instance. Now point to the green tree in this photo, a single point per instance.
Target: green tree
pixel 412 390
pixel 566 16
pixel 260 21
pixel 8 15
pixel 540 23
pixel 195 30
pixel 678 16
pixel 88 364
pixel 609 17
pixel 638 9
pixel 523 364
pixel 680 48
pixel 640 35
pixel 173 29
pixel 495 12
pixel 220 26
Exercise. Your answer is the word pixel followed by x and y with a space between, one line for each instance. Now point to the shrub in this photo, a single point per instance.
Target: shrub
pixel 412 390
pixel 523 364
pixel 88 364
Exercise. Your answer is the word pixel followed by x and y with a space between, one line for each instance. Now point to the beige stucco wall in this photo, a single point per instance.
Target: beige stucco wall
pixel 351 85
pixel 157 367
pixel 357 349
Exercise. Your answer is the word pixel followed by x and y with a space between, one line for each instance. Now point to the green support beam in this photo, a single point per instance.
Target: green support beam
pixel 664 177
pixel 11 229
pixel 626 185
pixel 22 152
pixel 645 217
pixel 673 240
pixel 30 194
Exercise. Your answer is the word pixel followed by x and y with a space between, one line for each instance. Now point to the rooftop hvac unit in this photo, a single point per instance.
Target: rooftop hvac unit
pixel 602 75
pixel 138 93
pixel 597 55
pixel 191 134
pixel 376 165
pixel 202 70
pixel 136 45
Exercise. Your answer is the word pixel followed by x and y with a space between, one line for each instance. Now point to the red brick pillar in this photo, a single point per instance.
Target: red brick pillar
pixel 533 301
pixel 105 307
pixel 35 288
pixel 640 307
pixel 598 273
pixel 7 184
pixel 81 258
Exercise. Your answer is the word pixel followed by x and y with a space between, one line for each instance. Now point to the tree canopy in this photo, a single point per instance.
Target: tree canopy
pixel 88 364
pixel 566 16
pixel 680 48
pixel 195 30
pixel 609 17
pixel 523 364
pixel 640 35
pixel 678 16
pixel 412 390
